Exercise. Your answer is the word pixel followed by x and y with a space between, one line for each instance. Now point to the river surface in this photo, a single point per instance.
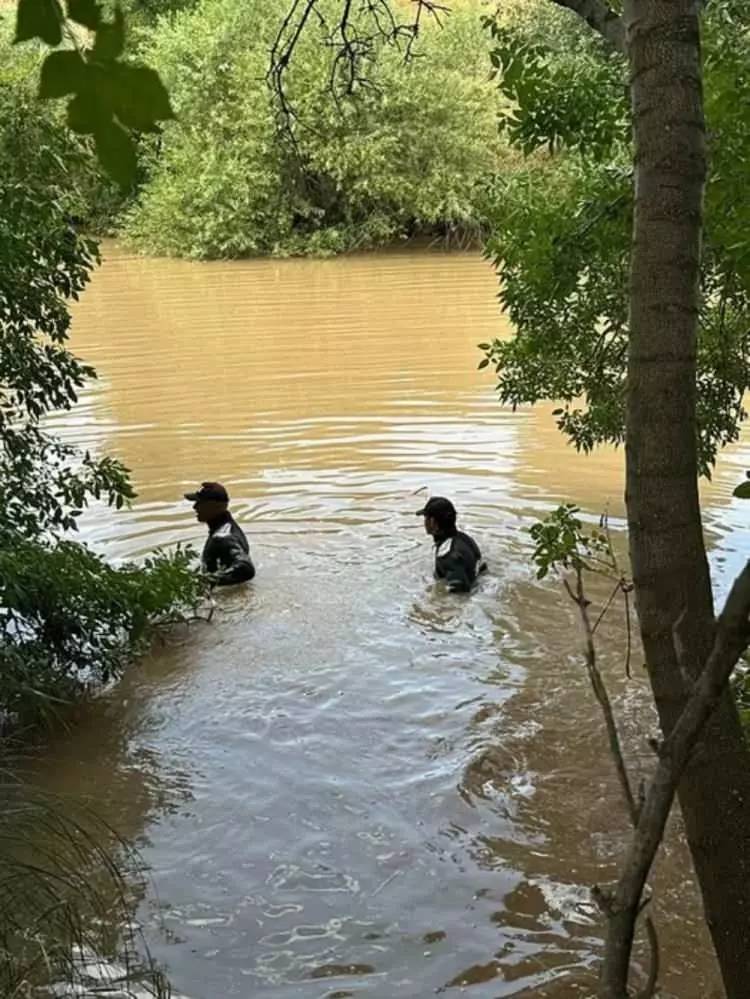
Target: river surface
pixel 350 783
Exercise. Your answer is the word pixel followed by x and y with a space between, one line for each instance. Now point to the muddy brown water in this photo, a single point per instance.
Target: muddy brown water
pixel 351 783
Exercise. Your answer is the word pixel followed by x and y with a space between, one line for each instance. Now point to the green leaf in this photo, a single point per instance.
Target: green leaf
pixel 116 153
pixel 39 19
pixel 483 363
pixel 743 490
pixel 85 12
pixel 62 73
pixel 87 114
pixel 110 39
pixel 138 97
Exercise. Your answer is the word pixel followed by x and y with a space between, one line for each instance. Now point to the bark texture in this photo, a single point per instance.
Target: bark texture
pixel 672 582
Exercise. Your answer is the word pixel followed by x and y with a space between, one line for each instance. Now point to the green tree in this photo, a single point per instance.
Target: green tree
pixel 46 261
pixel 642 332
pixel 561 229
pixel 67 618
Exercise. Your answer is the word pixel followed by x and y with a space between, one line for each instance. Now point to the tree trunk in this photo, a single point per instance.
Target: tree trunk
pixel 672 582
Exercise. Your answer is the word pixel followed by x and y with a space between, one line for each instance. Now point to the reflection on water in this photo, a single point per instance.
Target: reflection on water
pixel 351 783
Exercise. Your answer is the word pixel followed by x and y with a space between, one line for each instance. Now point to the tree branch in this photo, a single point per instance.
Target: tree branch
pixel 352 34
pixel 600 17
pixel 600 692
pixel 730 641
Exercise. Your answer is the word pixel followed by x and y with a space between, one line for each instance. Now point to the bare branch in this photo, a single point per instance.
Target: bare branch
pixel 649 989
pixel 626 591
pixel 730 641
pixel 353 38
pixel 634 806
pixel 600 692
pixel 600 17
pixel 606 607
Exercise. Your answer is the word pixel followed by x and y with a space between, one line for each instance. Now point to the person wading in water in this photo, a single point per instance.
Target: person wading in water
pixel 226 554
pixel 458 559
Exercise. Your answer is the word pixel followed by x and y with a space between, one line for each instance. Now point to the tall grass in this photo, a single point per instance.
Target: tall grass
pixel 68 890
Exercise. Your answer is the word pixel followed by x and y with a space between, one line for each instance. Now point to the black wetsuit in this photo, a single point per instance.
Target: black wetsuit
pixel 226 554
pixel 458 561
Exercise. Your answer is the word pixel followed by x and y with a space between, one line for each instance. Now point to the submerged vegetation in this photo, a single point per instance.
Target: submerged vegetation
pixel 68 891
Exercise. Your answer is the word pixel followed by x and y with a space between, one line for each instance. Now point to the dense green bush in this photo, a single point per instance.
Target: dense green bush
pixel 410 151
pixel 67 619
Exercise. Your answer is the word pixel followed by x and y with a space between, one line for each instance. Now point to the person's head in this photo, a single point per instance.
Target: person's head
pixel 209 502
pixel 439 516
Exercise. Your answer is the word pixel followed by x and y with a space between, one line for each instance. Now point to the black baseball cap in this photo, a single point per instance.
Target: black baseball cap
pixel 209 491
pixel 438 507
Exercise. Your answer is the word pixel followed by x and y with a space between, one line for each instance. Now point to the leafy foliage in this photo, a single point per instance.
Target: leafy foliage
pixel 562 542
pixel 561 228
pixel 109 97
pixel 70 621
pixel 564 91
pixel 411 150
pixel 67 619
pixel 44 482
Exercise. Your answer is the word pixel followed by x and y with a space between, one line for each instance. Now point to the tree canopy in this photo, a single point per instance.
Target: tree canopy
pixel 560 230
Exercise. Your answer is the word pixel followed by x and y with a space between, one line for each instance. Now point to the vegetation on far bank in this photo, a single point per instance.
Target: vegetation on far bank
pixel 412 151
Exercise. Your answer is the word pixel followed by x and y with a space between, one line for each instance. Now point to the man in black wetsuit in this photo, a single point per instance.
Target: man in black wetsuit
pixel 457 557
pixel 226 554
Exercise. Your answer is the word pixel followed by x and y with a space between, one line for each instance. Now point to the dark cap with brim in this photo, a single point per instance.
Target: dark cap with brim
pixel 209 491
pixel 438 507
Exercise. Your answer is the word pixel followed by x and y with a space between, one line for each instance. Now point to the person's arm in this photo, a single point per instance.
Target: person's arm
pixel 234 565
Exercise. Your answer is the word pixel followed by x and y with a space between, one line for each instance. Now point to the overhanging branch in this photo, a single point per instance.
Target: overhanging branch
pixel 353 35
pixel 600 17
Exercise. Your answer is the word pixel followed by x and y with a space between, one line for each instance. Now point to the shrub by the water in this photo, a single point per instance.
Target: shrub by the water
pixel 410 152
pixel 67 618
pixel 69 621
